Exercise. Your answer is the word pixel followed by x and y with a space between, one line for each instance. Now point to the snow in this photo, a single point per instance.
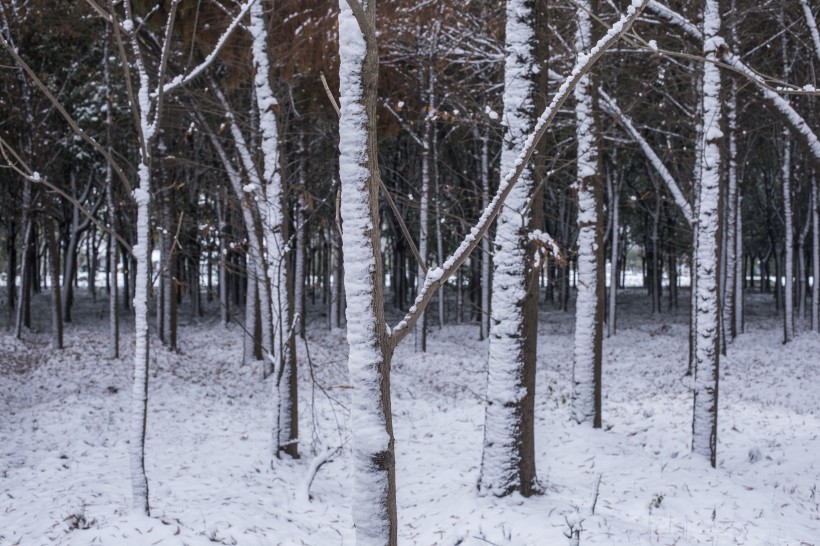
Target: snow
pixel 586 337
pixel 506 391
pixel 64 423
pixel 369 424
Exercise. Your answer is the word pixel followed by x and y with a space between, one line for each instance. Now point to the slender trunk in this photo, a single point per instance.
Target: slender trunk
pixel 732 224
pixel 740 264
pixel 24 300
pixel 11 267
pixel 424 208
pixel 301 243
pixel 439 237
pixel 508 462
pixel 788 227
pixel 611 324
pixel 54 271
pixel 486 258
pixel 274 226
pixel 374 467
pixel 707 250
pixel 224 300
pixel 802 275
pixel 586 371
pixel 815 257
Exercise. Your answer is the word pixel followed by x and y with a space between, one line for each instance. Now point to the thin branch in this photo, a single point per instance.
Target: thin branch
pixel 330 94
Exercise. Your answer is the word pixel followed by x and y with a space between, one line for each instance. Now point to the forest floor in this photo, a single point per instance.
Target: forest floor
pixel 64 470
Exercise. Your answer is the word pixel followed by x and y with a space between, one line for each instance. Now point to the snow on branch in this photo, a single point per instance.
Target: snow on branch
pixel 609 105
pixel 545 244
pixel 812 24
pixel 727 58
pixel 675 18
pixel 795 120
pixel 181 80
pixel 439 275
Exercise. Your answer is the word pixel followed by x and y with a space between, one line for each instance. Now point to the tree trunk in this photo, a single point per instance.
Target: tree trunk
pixel 815 257
pixel 374 466
pixel 26 261
pixel 788 228
pixel 508 459
pixel 586 371
pixel 611 324
pixel 54 271
pixel 707 251
pixel 486 258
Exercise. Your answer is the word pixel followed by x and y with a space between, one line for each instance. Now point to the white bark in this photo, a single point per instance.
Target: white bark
pixel 815 257
pixel 373 497
pixel 506 386
pixel 788 228
pixel 812 24
pixel 587 341
pixel 424 208
pixel 485 241
pixel 611 325
pixel 273 225
pixel 707 250
pixel 732 224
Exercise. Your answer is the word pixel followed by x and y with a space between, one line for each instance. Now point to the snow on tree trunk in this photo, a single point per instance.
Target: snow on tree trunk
pixel 815 257
pixel 285 427
pixel 54 273
pixel 424 208
pixel 732 224
pixel 483 137
pixel 505 465
pixel 707 251
pixel 301 220
pixel 740 263
pixel 586 370
pixel 788 228
pixel 113 296
pixel 139 395
pixel 812 24
pixel 374 479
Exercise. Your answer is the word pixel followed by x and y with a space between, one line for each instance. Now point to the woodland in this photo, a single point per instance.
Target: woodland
pixel 454 272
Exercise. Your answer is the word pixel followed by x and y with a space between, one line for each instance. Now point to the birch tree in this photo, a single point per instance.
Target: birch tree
pixel 586 368
pixel 707 247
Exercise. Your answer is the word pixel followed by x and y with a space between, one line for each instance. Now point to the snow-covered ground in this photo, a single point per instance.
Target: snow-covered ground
pixel 64 468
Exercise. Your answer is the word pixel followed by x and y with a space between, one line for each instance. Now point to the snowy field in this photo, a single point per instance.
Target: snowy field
pixel 64 465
